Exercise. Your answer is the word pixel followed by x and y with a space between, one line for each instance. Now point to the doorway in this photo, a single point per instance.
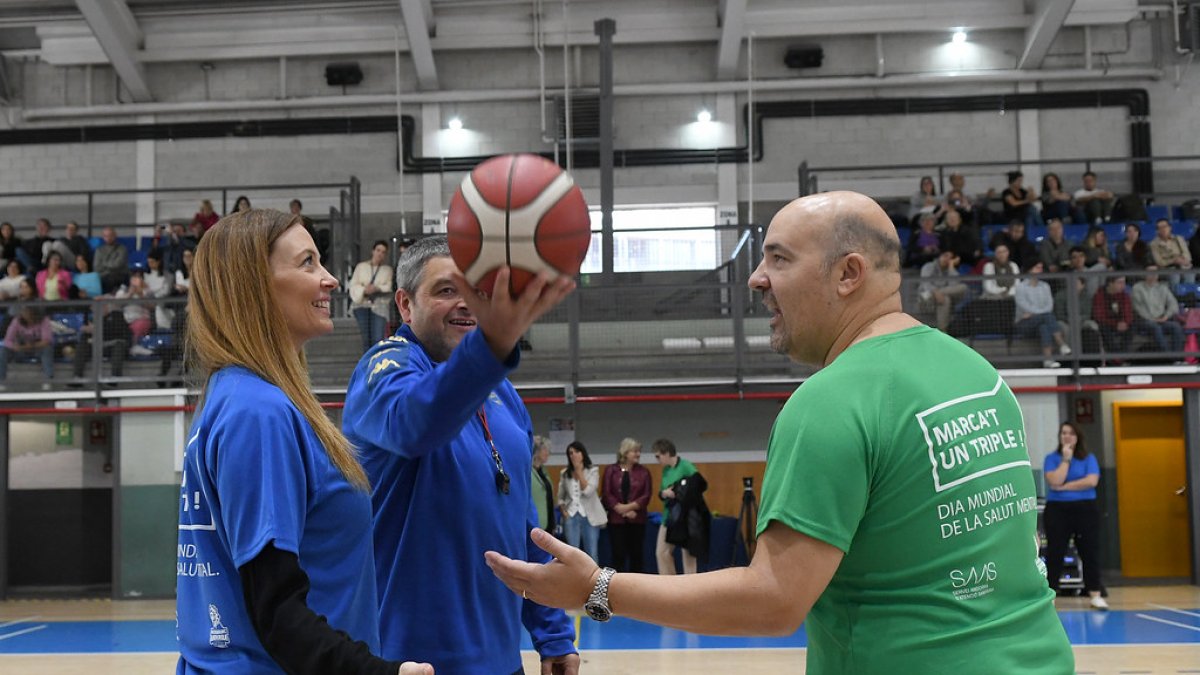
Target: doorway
pixel 1151 478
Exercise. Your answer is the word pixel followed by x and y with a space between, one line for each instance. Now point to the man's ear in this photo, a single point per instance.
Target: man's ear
pixel 404 303
pixel 851 273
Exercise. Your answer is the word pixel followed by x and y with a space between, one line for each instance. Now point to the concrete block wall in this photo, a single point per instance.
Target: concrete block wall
pixel 641 121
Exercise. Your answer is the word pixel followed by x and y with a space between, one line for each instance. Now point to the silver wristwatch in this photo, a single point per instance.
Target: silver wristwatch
pixel 597 603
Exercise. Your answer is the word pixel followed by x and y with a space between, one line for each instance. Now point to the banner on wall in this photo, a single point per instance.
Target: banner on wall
pixel 1084 412
pixel 562 432
pixel 64 432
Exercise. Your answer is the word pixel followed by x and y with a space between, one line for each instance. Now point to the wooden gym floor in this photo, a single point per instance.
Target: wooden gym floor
pixel 1150 630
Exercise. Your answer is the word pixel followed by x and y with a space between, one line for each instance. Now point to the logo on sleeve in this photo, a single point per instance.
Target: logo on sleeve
pixel 219 635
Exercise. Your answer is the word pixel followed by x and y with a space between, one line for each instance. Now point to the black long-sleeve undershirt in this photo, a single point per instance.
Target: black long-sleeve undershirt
pixel 301 641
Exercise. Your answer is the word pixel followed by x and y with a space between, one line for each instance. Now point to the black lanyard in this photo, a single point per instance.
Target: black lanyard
pixel 502 480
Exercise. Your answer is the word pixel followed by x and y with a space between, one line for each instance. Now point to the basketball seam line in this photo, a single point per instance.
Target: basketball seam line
pixel 512 169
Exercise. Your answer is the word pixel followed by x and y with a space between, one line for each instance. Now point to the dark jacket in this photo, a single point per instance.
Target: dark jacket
pixel 688 519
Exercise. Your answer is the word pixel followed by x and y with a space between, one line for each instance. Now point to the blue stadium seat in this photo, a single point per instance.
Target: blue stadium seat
pixel 158 341
pixel 67 326
pixel 1075 233
pixel 137 258
pixel 1183 228
pixel 1156 211
pixel 1116 232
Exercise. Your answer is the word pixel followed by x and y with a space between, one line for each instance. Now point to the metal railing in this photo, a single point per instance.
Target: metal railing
pixel 612 335
pixel 1116 176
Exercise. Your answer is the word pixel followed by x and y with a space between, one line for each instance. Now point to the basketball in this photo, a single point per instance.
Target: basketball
pixel 522 211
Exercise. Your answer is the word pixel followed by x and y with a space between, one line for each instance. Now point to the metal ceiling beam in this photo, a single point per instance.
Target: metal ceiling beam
pixel 120 37
pixel 417 27
pixel 1048 20
pixel 733 27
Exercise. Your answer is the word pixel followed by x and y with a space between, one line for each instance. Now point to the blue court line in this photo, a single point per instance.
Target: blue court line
pixel 1126 627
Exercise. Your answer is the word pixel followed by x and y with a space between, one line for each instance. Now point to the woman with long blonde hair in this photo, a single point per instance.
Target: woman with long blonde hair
pixel 275 570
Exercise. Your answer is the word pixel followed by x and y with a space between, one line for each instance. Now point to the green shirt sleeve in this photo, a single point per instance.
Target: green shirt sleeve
pixel 818 467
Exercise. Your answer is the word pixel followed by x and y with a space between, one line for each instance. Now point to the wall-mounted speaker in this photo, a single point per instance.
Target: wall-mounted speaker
pixel 343 74
pixel 804 56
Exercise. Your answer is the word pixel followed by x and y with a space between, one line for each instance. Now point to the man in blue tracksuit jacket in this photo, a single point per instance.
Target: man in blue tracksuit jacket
pixel 445 441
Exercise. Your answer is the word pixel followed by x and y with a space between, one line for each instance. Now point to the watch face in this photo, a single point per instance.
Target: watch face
pixel 597 611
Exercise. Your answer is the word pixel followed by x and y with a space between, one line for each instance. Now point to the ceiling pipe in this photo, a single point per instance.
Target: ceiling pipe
pixel 533 93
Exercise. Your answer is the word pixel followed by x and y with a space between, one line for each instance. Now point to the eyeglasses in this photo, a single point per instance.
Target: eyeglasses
pixel 503 482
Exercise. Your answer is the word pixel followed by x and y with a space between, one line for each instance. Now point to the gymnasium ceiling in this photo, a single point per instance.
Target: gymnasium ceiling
pixel 130 33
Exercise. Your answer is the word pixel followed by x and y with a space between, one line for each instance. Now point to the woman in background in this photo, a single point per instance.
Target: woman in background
pixel 276 509
pixel 1072 474
pixel 626 494
pixel 583 514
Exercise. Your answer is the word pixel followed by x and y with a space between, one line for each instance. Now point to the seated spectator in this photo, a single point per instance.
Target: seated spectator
pixel 116 339
pixel 183 282
pixel 940 287
pixel 10 243
pixel 27 291
pixel 1054 252
pixel 205 217
pixel 1000 275
pixel 195 231
pixel 111 261
pixel 137 315
pixel 1193 243
pixel 1056 203
pixel 1095 249
pixel 1078 263
pixel 1113 312
pixel 33 250
pixel 241 204
pixel 960 240
pixel 1095 204
pixel 1169 251
pixel 957 203
pixel 159 286
pixel 1156 313
pixel 1089 330
pixel 76 244
pixel 1020 249
pixel 10 285
pixel 173 245
pixel 54 282
pixel 295 207
pixel 29 333
pixel 1132 254
pixel 85 283
pixel 925 201
pixel 1020 203
pixel 978 212
pixel 924 244
pixel 1035 315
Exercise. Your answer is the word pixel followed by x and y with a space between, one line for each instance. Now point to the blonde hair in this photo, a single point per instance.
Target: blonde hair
pixel 231 277
pixel 627 446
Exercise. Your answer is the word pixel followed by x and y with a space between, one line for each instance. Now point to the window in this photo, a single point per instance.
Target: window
pixel 657 239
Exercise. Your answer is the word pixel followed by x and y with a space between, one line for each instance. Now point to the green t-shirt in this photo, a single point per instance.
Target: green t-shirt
pixel 672 474
pixel 908 454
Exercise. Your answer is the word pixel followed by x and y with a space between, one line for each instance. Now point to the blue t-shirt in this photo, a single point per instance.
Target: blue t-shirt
pixel 255 474
pixel 1078 469
pixel 437 508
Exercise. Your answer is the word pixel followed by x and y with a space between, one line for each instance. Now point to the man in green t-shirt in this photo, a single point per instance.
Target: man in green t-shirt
pixel 675 468
pixel 898 511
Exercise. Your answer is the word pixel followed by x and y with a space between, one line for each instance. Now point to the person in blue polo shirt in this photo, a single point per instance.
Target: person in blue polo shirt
pixel 447 442
pixel 1072 474
pixel 274 567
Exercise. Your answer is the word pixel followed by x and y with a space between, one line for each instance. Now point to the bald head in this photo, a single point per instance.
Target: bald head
pixel 844 223
pixel 831 265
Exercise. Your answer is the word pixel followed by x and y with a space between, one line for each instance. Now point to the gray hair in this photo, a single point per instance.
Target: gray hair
pixel 852 234
pixel 411 266
pixel 540 442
